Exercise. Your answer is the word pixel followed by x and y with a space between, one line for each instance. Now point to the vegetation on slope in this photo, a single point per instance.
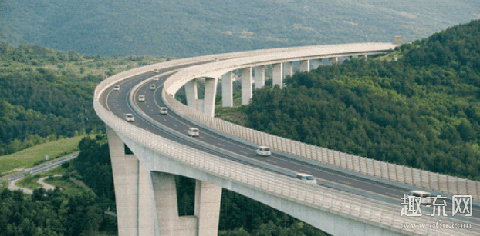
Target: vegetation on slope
pixel 421 111
pixel 48 93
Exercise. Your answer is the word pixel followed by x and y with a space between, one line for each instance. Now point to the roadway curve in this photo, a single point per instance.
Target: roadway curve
pixel 118 103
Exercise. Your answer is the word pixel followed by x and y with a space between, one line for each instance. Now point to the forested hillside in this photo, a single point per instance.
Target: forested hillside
pixel 421 111
pixel 45 92
pixel 197 27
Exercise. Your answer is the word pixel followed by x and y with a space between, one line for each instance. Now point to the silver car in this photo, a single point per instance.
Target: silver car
pixel 129 118
pixel 306 177
pixel 193 132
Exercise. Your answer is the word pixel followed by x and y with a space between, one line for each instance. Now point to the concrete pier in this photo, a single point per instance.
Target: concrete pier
pixel 364 57
pixel 246 85
pixel 129 177
pixel 207 207
pixel 333 60
pixel 277 78
pixel 288 70
pixel 227 99
pixel 259 77
pixel 191 92
pixel 305 66
pixel 210 94
pixel 316 63
pixel 200 105
pixel 169 223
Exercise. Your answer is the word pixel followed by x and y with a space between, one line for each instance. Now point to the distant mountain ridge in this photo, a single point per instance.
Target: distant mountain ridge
pixel 190 28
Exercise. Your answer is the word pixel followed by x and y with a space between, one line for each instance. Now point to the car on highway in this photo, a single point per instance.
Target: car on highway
pixel 141 98
pixel 425 197
pixel 306 177
pixel 163 111
pixel 156 70
pixel 152 87
pixel 193 132
pixel 263 151
pixel 116 88
pixel 129 117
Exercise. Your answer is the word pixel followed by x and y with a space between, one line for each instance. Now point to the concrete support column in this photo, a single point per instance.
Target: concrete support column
pixel 316 63
pixel 227 99
pixel 125 169
pixel 332 60
pixel 146 203
pixel 288 69
pixel 277 78
pixel 305 66
pixel 191 92
pixel 165 194
pixel 363 57
pixel 207 207
pixel 210 94
pixel 246 85
pixel 200 105
pixel 259 77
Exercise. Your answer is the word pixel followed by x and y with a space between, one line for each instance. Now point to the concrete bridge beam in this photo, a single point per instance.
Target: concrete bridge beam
pixel 227 99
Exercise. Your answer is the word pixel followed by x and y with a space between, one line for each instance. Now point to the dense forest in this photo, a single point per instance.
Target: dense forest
pixel 421 111
pixel 52 213
pixel 44 92
pixel 187 28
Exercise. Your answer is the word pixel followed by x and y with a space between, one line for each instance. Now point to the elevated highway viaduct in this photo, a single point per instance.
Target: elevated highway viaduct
pixel 344 202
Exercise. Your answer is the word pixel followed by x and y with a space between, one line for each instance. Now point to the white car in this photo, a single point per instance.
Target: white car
pixel 141 98
pixel 193 132
pixel 152 87
pixel 129 118
pixel 116 88
pixel 306 177
pixel 263 151
pixel 163 111
pixel 425 197
pixel 156 70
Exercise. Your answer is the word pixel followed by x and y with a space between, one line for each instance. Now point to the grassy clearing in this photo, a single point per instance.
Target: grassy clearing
pixel 235 115
pixel 29 182
pixel 28 157
pixel 68 186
